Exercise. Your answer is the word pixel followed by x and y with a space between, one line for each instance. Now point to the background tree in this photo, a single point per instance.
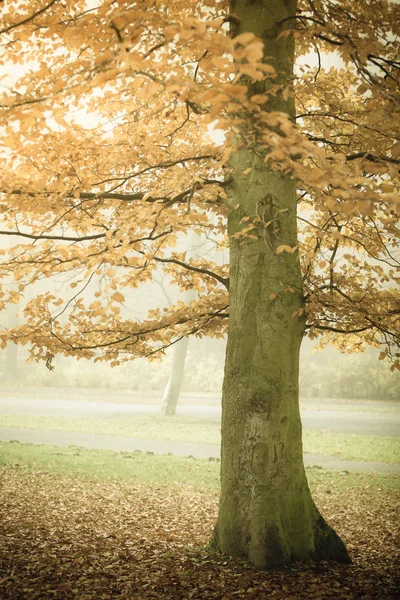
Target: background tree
pixel 108 162
pixel 175 380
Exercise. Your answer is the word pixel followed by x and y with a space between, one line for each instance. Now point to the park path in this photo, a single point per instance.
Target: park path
pixel 357 422
pixel 204 451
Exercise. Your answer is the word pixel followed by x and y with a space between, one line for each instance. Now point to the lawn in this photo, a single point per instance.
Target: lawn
pixel 102 465
pixel 145 468
pixel 89 525
pixel 202 431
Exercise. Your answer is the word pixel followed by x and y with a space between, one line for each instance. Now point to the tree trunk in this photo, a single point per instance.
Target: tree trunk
pixel 174 385
pixel 175 381
pixel 11 366
pixel 266 513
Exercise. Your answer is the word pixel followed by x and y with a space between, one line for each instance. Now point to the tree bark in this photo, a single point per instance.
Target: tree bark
pixel 174 385
pixel 266 513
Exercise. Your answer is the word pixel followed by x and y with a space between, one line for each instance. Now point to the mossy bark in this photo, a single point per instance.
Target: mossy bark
pixel 266 512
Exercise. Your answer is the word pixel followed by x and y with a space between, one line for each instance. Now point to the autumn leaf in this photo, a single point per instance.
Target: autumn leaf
pixel 118 297
pixel 285 248
pixel 112 158
pixel 130 527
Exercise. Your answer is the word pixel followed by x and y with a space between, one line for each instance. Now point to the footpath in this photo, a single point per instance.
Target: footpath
pixel 202 451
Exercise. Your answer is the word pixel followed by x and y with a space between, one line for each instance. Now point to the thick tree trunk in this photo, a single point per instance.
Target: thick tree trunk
pixel 174 385
pixel 266 512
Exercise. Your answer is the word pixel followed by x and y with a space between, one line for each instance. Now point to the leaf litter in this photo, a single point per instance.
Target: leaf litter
pixel 63 538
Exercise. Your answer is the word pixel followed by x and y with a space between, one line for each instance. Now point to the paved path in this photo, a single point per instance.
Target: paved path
pixel 365 423
pixel 210 451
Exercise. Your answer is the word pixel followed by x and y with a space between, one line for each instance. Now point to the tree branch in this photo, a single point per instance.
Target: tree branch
pixel 126 197
pixel 44 236
pixel 30 18
pixel 336 330
pixel 223 280
pixel 139 334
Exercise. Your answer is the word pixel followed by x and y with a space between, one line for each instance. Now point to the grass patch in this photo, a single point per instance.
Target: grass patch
pixel 94 465
pixel 144 427
pixel 143 468
pixel 191 429
pixel 350 446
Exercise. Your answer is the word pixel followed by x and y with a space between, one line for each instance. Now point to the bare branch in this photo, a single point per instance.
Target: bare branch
pixel 223 280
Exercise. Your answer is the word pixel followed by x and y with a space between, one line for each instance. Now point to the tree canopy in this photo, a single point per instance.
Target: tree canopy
pixel 113 115
pixel 107 112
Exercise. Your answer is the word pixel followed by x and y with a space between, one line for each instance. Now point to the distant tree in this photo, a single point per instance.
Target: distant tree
pixel 11 352
pixel 174 384
pixel 107 160
pixel 175 380
pixel 351 376
pixel 372 381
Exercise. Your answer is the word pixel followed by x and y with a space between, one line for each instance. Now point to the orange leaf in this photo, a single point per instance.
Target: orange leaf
pixel 118 297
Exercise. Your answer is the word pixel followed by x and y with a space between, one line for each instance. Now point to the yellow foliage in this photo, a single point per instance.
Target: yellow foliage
pixel 110 156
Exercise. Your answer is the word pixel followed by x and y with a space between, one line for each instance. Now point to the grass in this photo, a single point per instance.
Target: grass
pixel 145 427
pixel 202 431
pixel 142 468
pixel 94 465
pixel 350 446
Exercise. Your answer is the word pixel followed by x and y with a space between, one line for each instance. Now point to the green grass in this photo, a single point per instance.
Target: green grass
pixel 145 427
pixel 142 468
pixel 190 429
pixel 105 464
pixel 350 446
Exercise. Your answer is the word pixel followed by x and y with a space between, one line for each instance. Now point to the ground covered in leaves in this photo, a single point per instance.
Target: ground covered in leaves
pixel 64 538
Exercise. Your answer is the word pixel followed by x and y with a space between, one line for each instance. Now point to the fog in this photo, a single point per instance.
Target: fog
pixel 325 374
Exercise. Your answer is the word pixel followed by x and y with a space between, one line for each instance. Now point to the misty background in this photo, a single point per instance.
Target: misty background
pixel 323 374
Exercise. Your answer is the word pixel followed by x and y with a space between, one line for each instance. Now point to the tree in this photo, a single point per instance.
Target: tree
pixel 175 380
pixel 109 161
